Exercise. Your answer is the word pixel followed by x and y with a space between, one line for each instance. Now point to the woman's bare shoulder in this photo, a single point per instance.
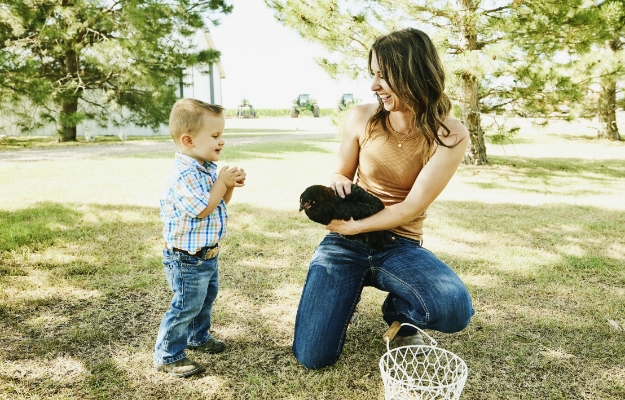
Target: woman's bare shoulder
pixel 361 111
pixel 457 131
pixel 357 118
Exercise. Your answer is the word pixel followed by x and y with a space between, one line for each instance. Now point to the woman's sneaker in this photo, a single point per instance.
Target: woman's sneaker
pixel 181 368
pixel 413 340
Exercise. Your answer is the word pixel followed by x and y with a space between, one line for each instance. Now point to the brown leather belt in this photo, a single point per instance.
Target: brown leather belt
pixel 205 253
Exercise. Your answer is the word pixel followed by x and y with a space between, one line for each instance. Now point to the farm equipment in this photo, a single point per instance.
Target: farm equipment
pixel 304 102
pixel 246 110
pixel 346 101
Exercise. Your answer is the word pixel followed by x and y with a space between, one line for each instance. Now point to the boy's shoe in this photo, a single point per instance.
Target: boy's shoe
pixel 413 340
pixel 213 346
pixel 181 368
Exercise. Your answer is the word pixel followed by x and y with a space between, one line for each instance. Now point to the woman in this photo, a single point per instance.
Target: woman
pixel 404 150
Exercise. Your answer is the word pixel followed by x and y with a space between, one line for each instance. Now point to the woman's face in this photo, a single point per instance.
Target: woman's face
pixel 380 87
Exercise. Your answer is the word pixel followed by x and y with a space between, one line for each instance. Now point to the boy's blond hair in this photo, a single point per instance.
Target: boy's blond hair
pixel 187 116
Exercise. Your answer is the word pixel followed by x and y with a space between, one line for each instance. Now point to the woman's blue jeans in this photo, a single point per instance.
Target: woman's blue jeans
pixel 422 290
pixel 194 283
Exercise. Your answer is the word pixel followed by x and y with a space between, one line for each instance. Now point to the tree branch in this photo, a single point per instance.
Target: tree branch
pixel 308 21
pixel 435 12
pixel 494 10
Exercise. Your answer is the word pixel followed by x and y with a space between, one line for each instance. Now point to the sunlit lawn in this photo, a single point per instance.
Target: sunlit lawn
pixel 539 242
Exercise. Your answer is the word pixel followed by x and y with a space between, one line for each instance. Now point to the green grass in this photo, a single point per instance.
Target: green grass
pixel 538 242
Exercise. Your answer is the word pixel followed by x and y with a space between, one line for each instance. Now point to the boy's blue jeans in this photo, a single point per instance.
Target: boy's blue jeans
pixel 194 283
pixel 422 290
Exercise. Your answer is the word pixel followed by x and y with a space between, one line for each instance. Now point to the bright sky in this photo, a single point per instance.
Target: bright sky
pixel 270 64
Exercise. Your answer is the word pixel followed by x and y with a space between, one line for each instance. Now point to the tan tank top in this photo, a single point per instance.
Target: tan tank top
pixel 389 172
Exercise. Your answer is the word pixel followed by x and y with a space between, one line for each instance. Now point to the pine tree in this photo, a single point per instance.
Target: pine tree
pixel 347 30
pixel 589 39
pixel 111 61
pixel 601 69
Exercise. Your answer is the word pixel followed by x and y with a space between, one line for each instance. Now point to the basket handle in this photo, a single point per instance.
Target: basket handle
pixel 394 328
pixel 391 331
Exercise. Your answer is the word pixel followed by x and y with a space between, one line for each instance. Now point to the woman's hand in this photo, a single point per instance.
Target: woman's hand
pixel 342 188
pixel 350 227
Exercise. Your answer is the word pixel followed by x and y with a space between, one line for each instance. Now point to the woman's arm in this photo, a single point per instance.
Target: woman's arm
pixel 347 158
pixel 429 184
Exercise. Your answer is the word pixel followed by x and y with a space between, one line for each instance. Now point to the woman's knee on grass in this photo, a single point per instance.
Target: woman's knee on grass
pixel 459 313
pixel 312 359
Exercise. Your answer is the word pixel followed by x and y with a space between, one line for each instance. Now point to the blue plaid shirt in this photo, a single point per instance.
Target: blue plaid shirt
pixel 185 196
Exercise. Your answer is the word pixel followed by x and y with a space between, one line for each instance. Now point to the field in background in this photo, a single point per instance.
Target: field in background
pixel 281 112
pixel 536 235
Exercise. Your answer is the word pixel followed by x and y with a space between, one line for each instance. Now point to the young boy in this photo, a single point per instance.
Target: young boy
pixel 193 209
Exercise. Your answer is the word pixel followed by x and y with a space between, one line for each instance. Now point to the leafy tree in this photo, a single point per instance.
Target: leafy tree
pixel 598 64
pixel 591 38
pixel 105 60
pixel 488 71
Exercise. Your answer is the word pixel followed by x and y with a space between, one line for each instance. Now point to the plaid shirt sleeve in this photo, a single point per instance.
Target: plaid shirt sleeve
pixel 190 194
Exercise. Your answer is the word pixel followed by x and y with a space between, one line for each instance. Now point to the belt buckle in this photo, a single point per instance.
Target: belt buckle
pixel 211 253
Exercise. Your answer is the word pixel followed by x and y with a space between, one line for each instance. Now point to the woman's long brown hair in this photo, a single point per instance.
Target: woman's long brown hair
pixel 410 65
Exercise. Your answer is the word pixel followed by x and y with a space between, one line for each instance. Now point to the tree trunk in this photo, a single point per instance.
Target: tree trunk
pixel 607 111
pixel 67 133
pixel 469 100
pixel 476 152
pixel 69 101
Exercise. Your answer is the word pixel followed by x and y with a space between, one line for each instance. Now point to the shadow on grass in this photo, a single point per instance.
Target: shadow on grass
pixel 35 227
pixel 497 140
pixel 544 280
pixel 569 177
pixel 589 138
pixel 571 167
pixel 90 290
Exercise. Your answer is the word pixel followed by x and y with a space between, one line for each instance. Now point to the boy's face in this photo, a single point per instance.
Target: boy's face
pixel 207 144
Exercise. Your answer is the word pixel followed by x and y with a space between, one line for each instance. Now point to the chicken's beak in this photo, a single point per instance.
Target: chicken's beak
pixel 303 206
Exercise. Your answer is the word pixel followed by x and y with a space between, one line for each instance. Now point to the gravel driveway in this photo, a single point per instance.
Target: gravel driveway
pixel 306 128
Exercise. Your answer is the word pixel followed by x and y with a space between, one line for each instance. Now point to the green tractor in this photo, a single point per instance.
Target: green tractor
pixel 246 110
pixel 304 102
pixel 346 101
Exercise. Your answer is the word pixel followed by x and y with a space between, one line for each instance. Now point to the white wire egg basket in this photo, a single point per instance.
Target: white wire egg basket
pixel 421 372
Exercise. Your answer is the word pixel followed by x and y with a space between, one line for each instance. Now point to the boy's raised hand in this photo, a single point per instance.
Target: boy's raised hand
pixel 232 177
pixel 241 181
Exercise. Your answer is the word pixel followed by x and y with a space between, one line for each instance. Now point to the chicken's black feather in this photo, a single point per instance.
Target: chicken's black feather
pixel 321 204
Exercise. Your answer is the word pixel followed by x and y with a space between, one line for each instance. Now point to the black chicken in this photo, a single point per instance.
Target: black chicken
pixel 321 204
